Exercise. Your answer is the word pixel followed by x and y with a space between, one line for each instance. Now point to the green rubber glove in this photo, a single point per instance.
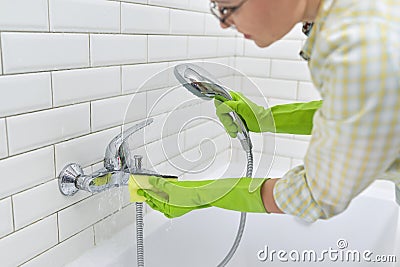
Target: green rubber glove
pixel 295 118
pixel 176 198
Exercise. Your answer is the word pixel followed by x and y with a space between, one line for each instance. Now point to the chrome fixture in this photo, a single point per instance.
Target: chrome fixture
pixel 116 170
pixel 203 85
pixel 115 173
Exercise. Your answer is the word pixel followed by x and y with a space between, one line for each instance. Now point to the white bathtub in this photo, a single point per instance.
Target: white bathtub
pixel 203 237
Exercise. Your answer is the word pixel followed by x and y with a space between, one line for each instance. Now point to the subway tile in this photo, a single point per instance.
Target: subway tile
pixel 38 167
pixel 111 225
pixel 186 22
pixel 167 48
pixel 24 15
pixel 136 1
pixel 226 46
pixel 296 162
pixel 184 118
pixel 155 153
pixel 308 92
pixel 1 59
pixel 278 101
pixel 141 19
pixel 194 135
pixel 118 110
pixel 170 3
pixel 6 222
pixel 239 50
pixel 84 16
pixel 213 27
pixel 296 33
pixel 290 69
pixel 74 86
pixel 24 93
pixel 21 246
pixel 91 210
pixel 201 46
pixel 284 49
pixel 253 66
pixel 290 147
pixel 167 99
pixel 159 129
pixel 3 139
pixel 34 130
pixel 85 150
pixel 282 164
pixel 28 52
pixel 142 77
pixel 64 252
pixel 266 87
pixel 259 143
pixel 41 201
pixel 202 6
pixel 303 137
pixel 108 49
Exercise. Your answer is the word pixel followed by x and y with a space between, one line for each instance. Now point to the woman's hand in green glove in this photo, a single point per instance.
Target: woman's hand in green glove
pixel 256 118
pixel 294 118
pixel 176 198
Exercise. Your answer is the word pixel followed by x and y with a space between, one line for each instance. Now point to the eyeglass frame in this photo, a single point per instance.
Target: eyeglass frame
pixel 227 15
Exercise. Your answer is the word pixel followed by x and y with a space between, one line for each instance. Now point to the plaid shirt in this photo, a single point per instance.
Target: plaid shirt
pixel 353 54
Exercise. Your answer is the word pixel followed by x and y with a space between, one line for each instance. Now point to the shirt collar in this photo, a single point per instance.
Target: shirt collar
pixel 311 29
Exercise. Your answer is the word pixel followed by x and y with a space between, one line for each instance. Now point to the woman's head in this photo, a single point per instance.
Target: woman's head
pixel 264 21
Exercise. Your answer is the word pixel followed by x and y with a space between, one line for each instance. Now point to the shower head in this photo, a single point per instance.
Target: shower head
pixel 203 85
pixel 200 82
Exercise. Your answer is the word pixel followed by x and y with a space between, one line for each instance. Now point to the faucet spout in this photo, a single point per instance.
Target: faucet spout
pixel 116 170
pixel 112 158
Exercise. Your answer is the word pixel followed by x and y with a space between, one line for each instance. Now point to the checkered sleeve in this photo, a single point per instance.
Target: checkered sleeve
pixel 356 132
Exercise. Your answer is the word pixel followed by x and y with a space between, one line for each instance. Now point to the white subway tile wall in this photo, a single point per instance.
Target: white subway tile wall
pixel 31 52
pixel 73 74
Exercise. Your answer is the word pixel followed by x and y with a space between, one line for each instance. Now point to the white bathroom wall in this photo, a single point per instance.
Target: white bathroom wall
pixel 70 79
pixel 69 72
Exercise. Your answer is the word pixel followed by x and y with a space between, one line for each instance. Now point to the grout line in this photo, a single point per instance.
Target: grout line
pixel 120 17
pixel 7 139
pixel 58 228
pixel 118 64
pixel 54 161
pixel 270 68
pixel 12 211
pixel 1 56
pixel 90 50
pixel 51 89
pixel 148 50
pixel 94 235
pixel 90 118
pixel 66 32
pixel 120 83
pixel 48 14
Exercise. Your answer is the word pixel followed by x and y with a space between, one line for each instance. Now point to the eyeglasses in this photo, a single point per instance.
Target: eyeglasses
pixel 223 13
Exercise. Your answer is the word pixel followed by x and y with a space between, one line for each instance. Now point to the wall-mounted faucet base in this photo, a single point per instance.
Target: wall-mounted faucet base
pixel 67 179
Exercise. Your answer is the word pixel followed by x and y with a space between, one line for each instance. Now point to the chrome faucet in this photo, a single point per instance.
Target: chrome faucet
pixel 116 170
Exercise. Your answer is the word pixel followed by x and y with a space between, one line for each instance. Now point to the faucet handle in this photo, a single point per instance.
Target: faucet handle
pixel 112 158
